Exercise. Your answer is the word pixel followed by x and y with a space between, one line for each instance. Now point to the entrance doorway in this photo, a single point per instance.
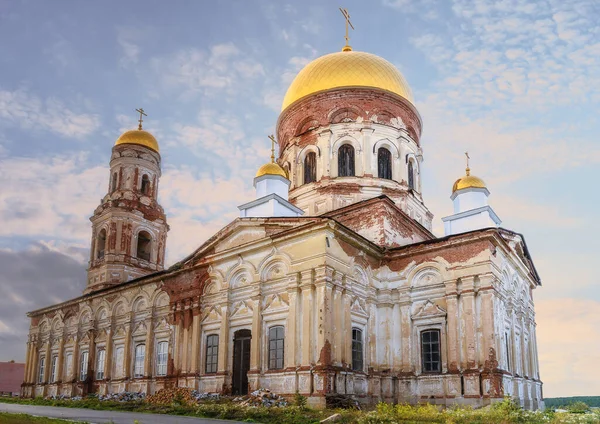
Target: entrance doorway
pixel 241 361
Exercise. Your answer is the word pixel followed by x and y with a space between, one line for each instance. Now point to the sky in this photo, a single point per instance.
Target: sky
pixel 515 83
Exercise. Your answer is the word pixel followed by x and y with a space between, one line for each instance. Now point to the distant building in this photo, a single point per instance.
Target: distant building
pixel 11 377
pixel 329 282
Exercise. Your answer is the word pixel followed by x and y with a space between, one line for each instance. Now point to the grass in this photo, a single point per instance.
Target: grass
pixel 506 412
pixel 6 418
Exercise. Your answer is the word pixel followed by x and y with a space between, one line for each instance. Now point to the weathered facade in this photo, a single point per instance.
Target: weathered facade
pixel 356 296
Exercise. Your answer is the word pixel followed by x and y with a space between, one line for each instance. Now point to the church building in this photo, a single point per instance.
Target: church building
pixel 329 282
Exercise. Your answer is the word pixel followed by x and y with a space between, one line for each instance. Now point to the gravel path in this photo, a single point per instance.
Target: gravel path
pixel 91 416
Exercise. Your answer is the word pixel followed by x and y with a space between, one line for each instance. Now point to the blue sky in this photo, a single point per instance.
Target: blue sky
pixel 515 83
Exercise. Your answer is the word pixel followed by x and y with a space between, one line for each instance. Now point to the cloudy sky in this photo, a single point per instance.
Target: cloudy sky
pixel 515 83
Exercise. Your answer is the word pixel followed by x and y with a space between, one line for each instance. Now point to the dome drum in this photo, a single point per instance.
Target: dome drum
pixel 353 104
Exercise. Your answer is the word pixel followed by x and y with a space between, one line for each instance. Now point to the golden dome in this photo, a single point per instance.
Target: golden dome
pixel 347 69
pixel 139 137
pixel 271 168
pixel 468 181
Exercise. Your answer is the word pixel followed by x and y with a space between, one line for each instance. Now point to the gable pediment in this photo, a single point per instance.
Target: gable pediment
pixel 429 310
pixel 382 222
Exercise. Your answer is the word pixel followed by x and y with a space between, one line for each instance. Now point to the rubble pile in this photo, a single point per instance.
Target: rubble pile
pixel 261 397
pixel 123 397
pixel 181 395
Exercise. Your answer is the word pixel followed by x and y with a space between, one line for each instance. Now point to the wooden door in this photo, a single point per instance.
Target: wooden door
pixel 241 361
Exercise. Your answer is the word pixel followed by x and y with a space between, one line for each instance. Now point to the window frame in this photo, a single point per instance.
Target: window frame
pixel 161 366
pixel 312 172
pixel 138 360
pixel 113 183
pixel 41 369
pixel 137 250
pixel 430 351
pixel 276 347
pixel 100 363
pixel 351 161
pixel 389 164
pixel 358 348
pixel 211 351
pixel 53 368
pixel 103 251
pixel 411 175
pixel 145 185
pixel 83 365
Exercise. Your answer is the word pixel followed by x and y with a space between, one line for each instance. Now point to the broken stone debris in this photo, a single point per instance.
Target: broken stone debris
pixel 261 397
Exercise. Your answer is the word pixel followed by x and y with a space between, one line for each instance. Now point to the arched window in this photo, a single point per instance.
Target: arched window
pixel 276 339
pixel 41 370
pixel 430 351
pixel 113 183
pixel 53 369
pixel 384 163
pixel 144 245
pixel 212 353
pixel 357 350
pixel 161 358
pixel 411 175
pixel 100 364
pixel 310 168
pixel 83 366
pixel 346 161
pixel 146 185
pixel 140 355
pixel 101 244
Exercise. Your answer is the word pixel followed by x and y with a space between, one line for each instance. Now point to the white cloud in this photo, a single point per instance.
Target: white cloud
pixel 28 111
pixel 224 67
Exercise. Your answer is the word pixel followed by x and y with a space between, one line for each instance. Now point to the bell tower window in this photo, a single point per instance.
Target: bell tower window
pixel 101 244
pixel 144 245
pixel 146 185
pixel 310 168
pixel 346 161
pixel 411 175
pixel 113 183
pixel 384 163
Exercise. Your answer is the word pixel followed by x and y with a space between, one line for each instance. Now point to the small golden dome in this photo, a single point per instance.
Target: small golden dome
pixel 347 69
pixel 139 137
pixel 468 181
pixel 271 168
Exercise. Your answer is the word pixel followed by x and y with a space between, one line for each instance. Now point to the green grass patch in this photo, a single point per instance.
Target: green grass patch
pixel 7 418
pixel 506 412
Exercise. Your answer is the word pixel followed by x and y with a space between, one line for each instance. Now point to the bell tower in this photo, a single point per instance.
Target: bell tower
pixel 129 227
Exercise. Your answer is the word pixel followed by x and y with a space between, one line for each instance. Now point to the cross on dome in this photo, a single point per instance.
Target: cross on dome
pixel 344 11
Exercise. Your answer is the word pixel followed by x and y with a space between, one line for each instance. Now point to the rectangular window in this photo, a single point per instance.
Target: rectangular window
pixel 53 369
pixel 140 355
pixel 161 358
pixel 119 359
pixel 212 353
pixel 83 367
pixel 507 352
pixel 430 351
pixel 357 350
pixel 276 348
pixel 100 364
pixel 68 366
pixel 41 370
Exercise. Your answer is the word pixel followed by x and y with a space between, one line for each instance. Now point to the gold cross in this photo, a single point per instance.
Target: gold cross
pixel 347 47
pixel 273 141
pixel 141 111
pixel 468 169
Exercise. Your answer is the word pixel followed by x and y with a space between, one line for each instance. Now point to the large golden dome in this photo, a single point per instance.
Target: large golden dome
pixel 139 137
pixel 468 181
pixel 271 168
pixel 347 69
